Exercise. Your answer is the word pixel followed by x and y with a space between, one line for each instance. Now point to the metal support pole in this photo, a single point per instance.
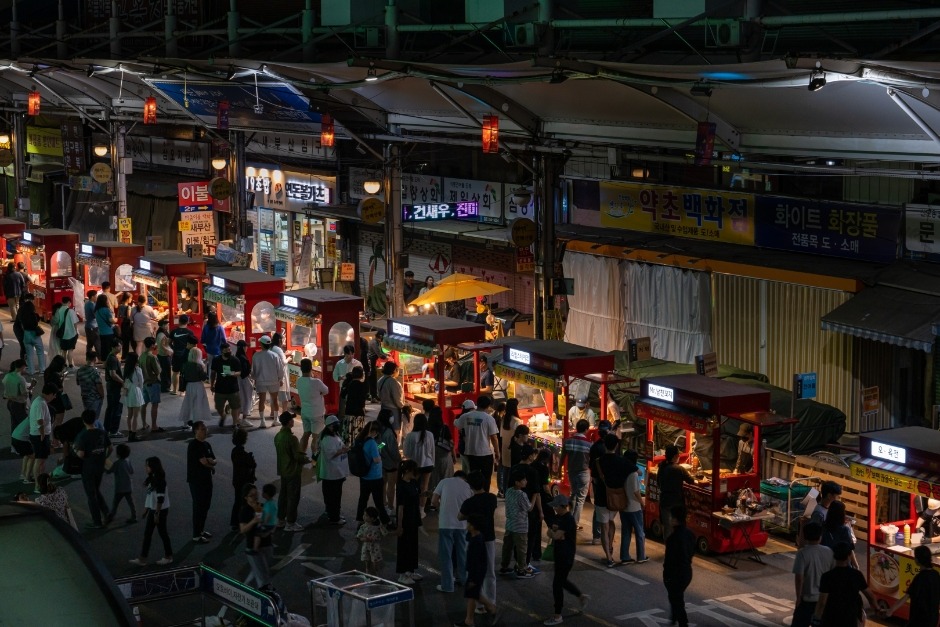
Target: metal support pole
pixel 234 48
pixel 549 171
pixel 14 31
pixel 547 42
pixel 169 27
pixel 393 235
pixel 61 28
pixel 538 309
pixel 240 208
pixel 306 32
pixel 18 137
pixel 120 178
pixel 114 28
pixel 391 30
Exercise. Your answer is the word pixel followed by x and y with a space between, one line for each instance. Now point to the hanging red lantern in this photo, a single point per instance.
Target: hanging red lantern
pixel 221 116
pixel 327 131
pixel 150 110
pixel 33 103
pixel 491 134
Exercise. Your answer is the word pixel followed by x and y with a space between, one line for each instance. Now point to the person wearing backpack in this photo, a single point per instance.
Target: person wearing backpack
pixel 365 462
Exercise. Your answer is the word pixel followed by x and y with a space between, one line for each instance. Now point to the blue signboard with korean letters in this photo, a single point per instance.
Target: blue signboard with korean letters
pixel 861 232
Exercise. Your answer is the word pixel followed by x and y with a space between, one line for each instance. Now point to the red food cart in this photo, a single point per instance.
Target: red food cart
pixel 244 301
pixel 696 412
pixel 108 261
pixel 899 463
pixel 162 275
pixel 10 231
pixel 49 255
pixel 317 324
pixel 420 344
pixel 538 373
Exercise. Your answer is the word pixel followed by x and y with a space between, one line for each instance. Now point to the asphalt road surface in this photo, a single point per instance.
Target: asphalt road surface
pixel 628 596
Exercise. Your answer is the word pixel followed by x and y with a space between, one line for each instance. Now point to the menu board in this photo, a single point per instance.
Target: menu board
pixel 73 147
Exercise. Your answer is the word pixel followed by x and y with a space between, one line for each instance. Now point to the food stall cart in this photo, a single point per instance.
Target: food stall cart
pixel 899 462
pixel 49 255
pixel 108 261
pixel 161 275
pixel 317 324
pixel 538 373
pixel 423 340
pixel 705 411
pixel 10 231
pixel 244 303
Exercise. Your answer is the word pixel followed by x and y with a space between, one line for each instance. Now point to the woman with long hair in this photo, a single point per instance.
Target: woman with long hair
pixel 354 392
pixel 507 422
pixel 409 521
pixel 157 508
pixel 277 340
pixel 104 316
pixel 419 446
pixel 246 392
pixel 836 529
pixel 445 455
pixel 54 498
pixel 243 471
pixel 195 406
pixel 123 314
pixel 391 458
pixel 133 393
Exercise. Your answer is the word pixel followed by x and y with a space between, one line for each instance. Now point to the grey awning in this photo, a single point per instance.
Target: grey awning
pixel 887 314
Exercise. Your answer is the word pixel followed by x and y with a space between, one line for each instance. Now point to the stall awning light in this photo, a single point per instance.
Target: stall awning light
pixel 660 392
pixel 145 278
pixel 519 356
pixel 290 301
pixel 491 134
pixel 33 102
pixel 144 264
pixel 401 329
pixel 150 110
pixel 327 128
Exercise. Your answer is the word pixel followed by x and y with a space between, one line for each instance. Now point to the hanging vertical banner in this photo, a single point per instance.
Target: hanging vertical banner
pixel 306 262
pixel 125 232
pixel 704 143
pixel 197 219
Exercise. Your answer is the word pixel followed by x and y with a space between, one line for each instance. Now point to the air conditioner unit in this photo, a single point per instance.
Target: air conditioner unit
pixel 523 35
pixel 723 34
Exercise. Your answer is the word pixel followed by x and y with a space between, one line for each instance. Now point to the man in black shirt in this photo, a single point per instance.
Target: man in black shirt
pixel 200 464
pixel 181 338
pixel 669 477
pixel 532 490
pixel 610 471
pixel 410 289
pixel 225 372
pixel 482 505
pixel 114 384
pixel 93 446
pixel 677 563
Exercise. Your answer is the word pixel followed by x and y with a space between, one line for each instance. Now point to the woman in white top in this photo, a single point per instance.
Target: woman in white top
pixel 284 394
pixel 333 469
pixel 157 506
pixel 507 427
pixel 196 403
pixel 133 393
pixel 419 446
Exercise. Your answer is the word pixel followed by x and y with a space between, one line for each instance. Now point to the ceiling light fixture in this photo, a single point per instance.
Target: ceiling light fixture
pixel 817 81
pixel 371 186
pixel 4 137
pixel 100 150
pixel 219 163
pixel 371 75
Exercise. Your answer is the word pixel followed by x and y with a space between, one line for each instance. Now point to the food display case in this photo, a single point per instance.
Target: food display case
pixel 539 373
pixel 244 301
pixel 10 231
pixel 899 463
pixel 702 416
pixel 317 324
pixel 108 261
pixel 49 255
pixel 161 276
pixel 420 344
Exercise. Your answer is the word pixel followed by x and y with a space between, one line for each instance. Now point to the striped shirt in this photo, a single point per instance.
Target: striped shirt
pixel 578 449
pixel 517 511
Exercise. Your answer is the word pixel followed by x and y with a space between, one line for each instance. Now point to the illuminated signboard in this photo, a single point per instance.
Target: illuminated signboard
pixel 889 452
pixel 659 392
pixel 86 249
pixel 144 264
pixel 290 301
pixel 218 281
pixel 401 329
pixel 430 212
pixel 28 236
pixel 519 356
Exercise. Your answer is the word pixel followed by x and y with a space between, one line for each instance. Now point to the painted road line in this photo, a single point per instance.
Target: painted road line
pixel 290 557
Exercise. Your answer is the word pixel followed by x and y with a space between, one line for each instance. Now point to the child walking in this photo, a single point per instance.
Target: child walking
pixel 133 393
pixel 268 513
pixel 477 565
pixel 122 471
pixel 518 507
pixel 370 533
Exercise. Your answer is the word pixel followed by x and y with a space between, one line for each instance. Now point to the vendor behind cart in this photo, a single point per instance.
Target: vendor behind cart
pixel 671 476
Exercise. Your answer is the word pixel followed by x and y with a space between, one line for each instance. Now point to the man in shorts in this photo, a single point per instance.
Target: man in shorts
pixel 223 382
pixel 610 470
pixel 150 365
pixel 312 393
pixel 268 372
pixel 181 339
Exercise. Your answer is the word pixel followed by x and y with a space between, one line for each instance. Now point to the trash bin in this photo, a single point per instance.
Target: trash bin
pixel 357 599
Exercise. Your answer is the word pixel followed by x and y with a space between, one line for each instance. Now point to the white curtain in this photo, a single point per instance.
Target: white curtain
pixel 595 315
pixel 669 305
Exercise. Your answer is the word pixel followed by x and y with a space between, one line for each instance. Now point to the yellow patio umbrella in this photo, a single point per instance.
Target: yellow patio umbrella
pixel 457 287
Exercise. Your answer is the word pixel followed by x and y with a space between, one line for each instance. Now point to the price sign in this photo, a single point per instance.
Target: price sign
pixel 125 232
pixel 185 225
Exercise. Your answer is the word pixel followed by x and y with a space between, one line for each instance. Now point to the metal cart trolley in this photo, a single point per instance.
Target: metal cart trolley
pixel 784 502
pixel 355 598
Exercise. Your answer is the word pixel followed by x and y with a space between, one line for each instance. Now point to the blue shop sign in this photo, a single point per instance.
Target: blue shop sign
pixel 861 232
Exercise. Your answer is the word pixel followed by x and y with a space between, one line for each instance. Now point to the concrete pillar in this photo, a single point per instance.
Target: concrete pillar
pixel 306 32
pixel 393 271
pixel 169 27
pixel 18 137
pixel 240 197
pixel 549 192
pixel 391 30
pixel 234 48
pixel 61 29
pixel 118 152
pixel 114 29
